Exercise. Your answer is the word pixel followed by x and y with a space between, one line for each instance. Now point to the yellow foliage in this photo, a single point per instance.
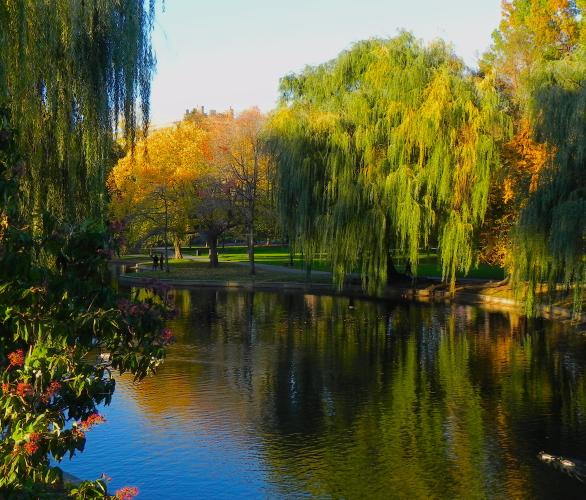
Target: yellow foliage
pixel 168 158
pixel 172 172
pixel 524 159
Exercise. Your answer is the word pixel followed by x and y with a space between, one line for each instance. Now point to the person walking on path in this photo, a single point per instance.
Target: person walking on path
pixel 155 261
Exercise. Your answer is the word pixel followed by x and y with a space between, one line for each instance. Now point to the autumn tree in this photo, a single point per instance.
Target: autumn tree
pixel 241 147
pixel 184 178
pixel 522 159
pixel 534 220
pixel 530 34
pixel 216 209
pixel 549 240
pixel 152 186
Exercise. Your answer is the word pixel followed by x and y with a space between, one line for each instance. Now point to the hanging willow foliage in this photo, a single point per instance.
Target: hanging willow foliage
pixel 68 70
pixel 550 238
pixel 387 149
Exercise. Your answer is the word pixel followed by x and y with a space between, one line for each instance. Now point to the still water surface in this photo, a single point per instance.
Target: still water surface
pixel 269 395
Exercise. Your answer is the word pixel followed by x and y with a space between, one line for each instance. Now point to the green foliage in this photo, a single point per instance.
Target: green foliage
pixel 384 150
pixel 550 239
pixel 54 326
pixel 68 70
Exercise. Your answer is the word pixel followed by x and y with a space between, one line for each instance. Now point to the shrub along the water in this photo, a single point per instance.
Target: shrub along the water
pixel 67 71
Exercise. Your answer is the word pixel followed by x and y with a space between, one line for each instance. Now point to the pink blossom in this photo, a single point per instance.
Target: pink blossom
pixel 167 337
pixel 127 493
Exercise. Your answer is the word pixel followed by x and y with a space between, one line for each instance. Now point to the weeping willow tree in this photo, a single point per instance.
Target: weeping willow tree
pixel 385 150
pixel 550 238
pixel 68 71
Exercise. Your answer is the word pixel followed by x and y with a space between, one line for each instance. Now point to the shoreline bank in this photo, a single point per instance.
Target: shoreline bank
pixel 469 294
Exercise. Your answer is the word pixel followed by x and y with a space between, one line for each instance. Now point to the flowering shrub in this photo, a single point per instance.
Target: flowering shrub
pixel 62 336
pixel 16 358
pixel 63 332
pixel 126 493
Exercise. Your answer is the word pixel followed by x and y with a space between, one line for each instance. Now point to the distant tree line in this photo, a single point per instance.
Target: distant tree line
pixel 207 175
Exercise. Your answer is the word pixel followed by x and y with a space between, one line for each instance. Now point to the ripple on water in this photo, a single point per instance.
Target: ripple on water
pixel 270 395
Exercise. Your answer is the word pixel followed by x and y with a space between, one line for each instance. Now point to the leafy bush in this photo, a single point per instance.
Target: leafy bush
pixel 64 330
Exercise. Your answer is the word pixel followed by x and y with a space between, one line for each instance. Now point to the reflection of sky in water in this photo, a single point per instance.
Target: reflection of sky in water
pixel 170 457
pixel 270 395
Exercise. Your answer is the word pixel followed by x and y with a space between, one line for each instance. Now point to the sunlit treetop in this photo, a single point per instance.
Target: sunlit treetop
pixel 166 159
pixel 530 32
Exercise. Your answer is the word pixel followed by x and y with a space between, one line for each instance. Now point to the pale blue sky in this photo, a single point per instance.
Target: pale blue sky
pixel 222 53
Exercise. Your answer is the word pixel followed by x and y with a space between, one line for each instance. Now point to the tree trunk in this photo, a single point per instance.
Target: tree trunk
pixel 393 275
pixel 177 246
pixel 252 215
pixel 166 236
pixel 251 237
pixel 251 249
pixel 213 244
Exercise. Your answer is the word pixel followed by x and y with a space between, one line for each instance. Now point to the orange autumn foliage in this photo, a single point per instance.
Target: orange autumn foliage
pixel 531 33
pixel 524 158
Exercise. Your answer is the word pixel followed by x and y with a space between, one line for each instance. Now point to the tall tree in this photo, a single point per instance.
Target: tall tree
pixel 178 178
pixel 531 33
pixel 537 58
pixel 152 186
pixel 68 70
pixel 386 149
pixel 216 209
pixel 241 147
pixel 550 237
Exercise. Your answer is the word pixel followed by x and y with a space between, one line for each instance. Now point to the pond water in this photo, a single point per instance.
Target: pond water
pixel 270 395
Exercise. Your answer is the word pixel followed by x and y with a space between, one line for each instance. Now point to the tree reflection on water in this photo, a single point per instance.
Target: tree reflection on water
pixel 380 400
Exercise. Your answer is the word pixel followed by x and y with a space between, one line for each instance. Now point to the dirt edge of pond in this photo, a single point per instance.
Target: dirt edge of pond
pixel 477 293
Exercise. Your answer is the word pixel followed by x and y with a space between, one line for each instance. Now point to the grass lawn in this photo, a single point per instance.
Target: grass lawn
pixel 429 266
pixel 131 258
pixel 226 271
pixel 273 255
pixel 279 256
